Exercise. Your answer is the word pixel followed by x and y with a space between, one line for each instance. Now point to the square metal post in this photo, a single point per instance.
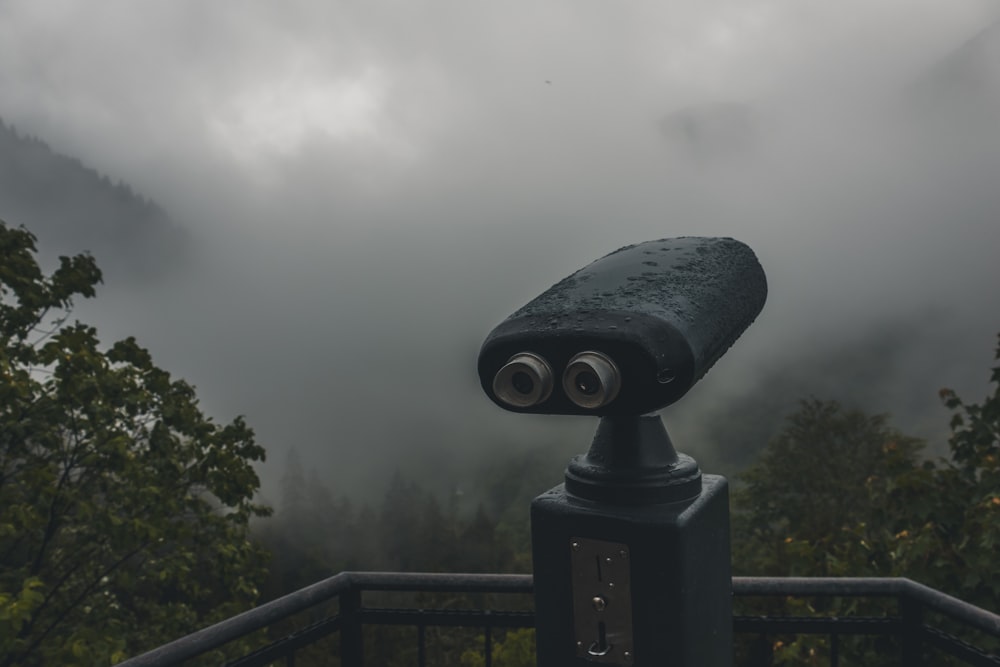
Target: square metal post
pixel 352 640
pixel 679 580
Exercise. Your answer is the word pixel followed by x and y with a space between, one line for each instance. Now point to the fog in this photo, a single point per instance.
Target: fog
pixel 371 187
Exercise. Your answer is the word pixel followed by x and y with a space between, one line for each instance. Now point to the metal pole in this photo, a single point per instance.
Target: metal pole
pixel 352 641
pixel 911 613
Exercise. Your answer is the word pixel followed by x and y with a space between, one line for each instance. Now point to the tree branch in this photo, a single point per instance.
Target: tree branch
pixel 69 608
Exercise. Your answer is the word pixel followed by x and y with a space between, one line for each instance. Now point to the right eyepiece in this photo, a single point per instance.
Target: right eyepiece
pixel 591 380
pixel 525 380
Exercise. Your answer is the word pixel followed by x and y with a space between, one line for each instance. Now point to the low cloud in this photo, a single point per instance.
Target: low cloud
pixel 372 187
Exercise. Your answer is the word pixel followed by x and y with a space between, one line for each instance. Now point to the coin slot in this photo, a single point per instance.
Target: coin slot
pixel 602 601
pixel 601 646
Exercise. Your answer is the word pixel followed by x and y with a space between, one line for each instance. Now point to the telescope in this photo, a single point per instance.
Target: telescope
pixel 627 334
pixel 631 554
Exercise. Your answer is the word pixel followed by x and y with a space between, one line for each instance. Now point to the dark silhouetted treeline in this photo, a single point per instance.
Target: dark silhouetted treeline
pixel 74 207
pixel 315 534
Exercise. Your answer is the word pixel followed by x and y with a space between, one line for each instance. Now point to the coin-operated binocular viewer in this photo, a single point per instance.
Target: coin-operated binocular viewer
pixel 631 554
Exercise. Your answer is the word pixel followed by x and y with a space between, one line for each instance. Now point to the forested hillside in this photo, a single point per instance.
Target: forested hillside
pixel 74 207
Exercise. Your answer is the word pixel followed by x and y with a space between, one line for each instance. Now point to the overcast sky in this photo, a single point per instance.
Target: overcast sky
pixel 374 185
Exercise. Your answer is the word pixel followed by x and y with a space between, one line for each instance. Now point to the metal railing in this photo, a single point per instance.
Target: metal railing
pixel 923 620
pixel 919 620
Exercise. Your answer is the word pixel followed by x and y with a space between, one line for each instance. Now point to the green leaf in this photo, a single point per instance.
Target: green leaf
pixel 108 508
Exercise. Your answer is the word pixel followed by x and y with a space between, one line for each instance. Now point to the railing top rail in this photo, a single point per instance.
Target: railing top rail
pixel 977 617
pixel 216 635
pixel 260 617
pixel 902 587
pixel 442 582
pixel 805 586
pixel 237 626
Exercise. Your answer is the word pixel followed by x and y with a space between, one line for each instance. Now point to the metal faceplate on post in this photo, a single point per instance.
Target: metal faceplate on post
pixel 602 601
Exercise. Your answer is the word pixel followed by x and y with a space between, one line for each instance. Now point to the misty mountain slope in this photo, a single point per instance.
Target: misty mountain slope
pixel 372 196
pixel 716 131
pixel 73 208
pixel 964 85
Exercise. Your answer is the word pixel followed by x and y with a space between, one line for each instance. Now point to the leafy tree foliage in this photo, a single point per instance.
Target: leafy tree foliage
pixel 811 486
pixel 876 511
pixel 517 649
pixel 124 510
pixel 941 523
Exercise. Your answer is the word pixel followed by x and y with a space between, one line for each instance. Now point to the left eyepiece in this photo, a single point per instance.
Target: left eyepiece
pixel 525 380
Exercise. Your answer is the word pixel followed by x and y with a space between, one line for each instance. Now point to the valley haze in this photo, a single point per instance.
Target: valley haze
pixel 367 189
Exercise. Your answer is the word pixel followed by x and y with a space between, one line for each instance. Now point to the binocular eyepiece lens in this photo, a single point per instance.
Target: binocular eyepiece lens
pixel 587 383
pixel 524 381
pixel 591 380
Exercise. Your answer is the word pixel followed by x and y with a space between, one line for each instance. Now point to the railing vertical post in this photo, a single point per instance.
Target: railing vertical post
pixel 911 613
pixel 421 645
pixel 488 644
pixel 352 641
